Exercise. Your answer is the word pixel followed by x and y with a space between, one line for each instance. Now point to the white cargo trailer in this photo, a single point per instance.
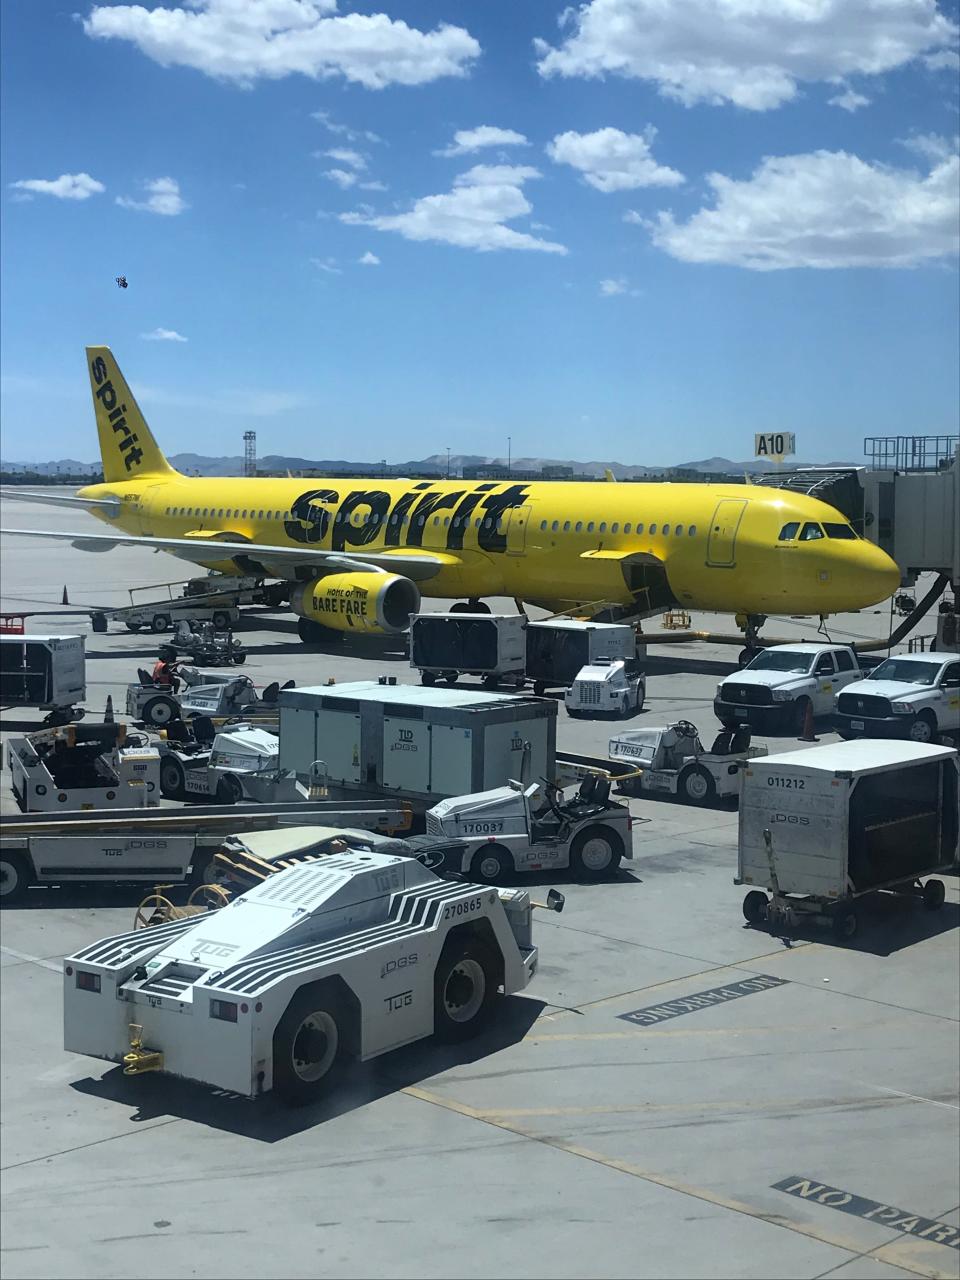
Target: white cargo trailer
pixel 374 739
pixel 820 828
pixel 48 672
pixel 489 645
pixel 558 648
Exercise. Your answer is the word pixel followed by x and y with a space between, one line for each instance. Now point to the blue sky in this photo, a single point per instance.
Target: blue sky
pixel 693 243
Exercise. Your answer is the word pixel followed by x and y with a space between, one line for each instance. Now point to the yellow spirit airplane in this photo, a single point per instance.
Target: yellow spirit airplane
pixel 357 554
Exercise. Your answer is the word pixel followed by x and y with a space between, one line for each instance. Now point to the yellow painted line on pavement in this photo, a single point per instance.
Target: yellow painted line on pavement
pixel 918 1266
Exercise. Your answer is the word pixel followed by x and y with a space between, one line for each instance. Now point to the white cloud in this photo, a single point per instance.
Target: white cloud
pixel 163 335
pixel 327 264
pixel 342 177
pixel 163 196
pixel 344 130
pixel 637 219
pixel 944 60
pixel 849 100
pixel 826 209
pixel 69 186
pixel 617 287
pixel 369 260
pixel 753 53
pixel 611 160
pixel 466 141
pixel 347 156
pixel 473 215
pixel 246 40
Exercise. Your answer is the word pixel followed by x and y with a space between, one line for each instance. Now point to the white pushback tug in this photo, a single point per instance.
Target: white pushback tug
pixel 354 955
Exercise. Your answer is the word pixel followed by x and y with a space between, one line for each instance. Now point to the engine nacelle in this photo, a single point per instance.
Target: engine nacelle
pixel 375 603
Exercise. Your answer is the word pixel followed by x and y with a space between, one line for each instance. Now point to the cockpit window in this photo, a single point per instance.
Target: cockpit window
pixel 842 531
pixel 789 531
pixel 810 533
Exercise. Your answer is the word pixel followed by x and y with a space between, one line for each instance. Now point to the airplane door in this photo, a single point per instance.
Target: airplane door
pixel 722 542
pixel 517 530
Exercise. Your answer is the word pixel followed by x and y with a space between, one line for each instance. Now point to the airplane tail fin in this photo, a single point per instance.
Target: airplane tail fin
pixel 127 446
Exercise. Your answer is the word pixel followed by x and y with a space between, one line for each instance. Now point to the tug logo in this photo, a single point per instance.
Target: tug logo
pixel 106 394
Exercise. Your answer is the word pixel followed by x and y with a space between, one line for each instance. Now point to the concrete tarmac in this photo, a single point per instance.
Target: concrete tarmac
pixel 807 1128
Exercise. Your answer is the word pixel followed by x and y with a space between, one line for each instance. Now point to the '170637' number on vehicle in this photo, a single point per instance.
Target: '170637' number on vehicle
pixel 462 908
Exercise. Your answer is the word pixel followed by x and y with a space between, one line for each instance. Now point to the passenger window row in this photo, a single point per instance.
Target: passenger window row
pixel 592 526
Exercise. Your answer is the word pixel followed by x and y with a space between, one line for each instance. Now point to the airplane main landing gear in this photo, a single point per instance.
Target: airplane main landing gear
pixel 750 624
pixel 470 606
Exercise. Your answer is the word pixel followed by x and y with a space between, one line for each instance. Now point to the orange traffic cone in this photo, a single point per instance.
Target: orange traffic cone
pixel 807 734
pixel 65 599
pixel 108 716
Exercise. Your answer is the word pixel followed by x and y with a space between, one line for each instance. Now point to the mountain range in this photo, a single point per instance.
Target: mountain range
pixel 200 464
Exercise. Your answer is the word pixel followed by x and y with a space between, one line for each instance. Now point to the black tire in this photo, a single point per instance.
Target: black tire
pixel 727 722
pixel 461 606
pixel 491 864
pixel 229 790
pixel 172 778
pixel 464 987
pixel 491 682
pixel 133 626
pixel 14 878
pixel 845 923
pixel 923 729
pixel 307 1042
pixel 428 679
pixel 934 893
pixel 588 859
pixel 576 715
pixel 451 677
pixel 220 620
pixel 696 785
pixel 160 622
pixel 160 711
pixel 539 688
pixel 755 906
pixel 239 657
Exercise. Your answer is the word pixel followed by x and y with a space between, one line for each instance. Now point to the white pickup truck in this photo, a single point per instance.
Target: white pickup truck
pixel 772 693
pixel 911 695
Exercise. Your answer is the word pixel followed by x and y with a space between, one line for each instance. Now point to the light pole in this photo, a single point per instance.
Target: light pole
pixel 509 453
pixel 448 462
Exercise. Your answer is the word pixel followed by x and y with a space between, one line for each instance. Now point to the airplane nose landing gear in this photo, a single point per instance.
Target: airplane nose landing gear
pixel 750 624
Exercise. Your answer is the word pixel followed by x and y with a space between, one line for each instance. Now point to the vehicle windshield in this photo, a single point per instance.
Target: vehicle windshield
pixel 781 660
pixel 906 672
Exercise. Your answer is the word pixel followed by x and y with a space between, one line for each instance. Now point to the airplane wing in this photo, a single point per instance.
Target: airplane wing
pixel 261 558
pixel 12 493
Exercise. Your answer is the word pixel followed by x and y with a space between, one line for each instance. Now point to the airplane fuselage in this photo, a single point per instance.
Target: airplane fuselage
pixel 706 546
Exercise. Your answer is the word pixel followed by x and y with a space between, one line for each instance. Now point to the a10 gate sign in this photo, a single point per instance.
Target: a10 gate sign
pixel 774 444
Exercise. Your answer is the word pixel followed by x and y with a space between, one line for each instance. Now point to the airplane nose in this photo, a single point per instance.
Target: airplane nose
pixel 877 574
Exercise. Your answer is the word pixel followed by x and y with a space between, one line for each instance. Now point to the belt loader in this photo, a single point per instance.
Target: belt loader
pixel 353 955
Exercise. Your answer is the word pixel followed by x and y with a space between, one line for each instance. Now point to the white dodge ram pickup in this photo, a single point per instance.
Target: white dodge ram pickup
pixel 773 691
pixel 912 695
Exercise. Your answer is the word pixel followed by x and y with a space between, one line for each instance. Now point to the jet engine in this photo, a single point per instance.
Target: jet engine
pixel 375 603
